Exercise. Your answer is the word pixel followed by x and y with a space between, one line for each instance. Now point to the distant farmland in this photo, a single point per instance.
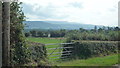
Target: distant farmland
pixel 46 40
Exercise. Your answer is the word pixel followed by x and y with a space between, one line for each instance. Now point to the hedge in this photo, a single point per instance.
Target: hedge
pixel 38 53
pixel 86 49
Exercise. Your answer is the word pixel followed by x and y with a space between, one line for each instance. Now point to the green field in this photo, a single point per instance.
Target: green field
pixel 46 40
pixel 97 61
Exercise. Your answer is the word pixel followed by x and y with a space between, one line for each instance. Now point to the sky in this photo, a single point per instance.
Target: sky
pixel 97 12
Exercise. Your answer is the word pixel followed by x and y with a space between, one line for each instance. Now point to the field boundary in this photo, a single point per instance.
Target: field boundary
pixel 70 49
pixel 36 43
pixel 95 41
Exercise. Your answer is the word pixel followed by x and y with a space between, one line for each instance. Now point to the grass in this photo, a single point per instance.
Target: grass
pixel 45 40
pixel 48 41
pixel 96 61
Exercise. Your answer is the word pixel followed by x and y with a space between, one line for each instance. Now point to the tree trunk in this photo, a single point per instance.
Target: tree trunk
pixel 6 34
pixel 0 34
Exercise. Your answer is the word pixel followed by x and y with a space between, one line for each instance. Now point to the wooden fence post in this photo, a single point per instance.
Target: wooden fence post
pixel 0 34
pixel 6 34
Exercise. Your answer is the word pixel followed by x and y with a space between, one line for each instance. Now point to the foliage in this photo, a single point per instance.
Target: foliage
pixel 86 49
pixel 100 34
pixel 18 46
pixel 27 34
pixel 38 54
pixel 33 33
pixel 104 34
pixel 54 33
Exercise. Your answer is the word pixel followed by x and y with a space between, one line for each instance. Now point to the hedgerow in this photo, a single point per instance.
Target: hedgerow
pixel 86 49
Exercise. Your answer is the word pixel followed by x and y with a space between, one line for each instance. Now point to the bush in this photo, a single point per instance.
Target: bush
pixel 86 49
pixel 37 53
pixel 18 49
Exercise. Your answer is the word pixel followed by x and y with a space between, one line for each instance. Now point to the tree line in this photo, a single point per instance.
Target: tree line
pixel 104 33
pixel 48 33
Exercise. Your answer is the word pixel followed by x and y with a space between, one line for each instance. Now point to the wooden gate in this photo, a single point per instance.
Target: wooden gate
pixel 56 51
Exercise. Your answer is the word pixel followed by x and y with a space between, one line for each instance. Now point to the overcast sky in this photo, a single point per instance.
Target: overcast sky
pixel 97 12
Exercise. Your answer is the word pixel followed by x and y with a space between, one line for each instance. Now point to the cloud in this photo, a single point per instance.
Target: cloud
pixel 98 12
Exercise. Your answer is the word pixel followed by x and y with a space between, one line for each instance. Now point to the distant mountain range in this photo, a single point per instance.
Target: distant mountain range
pixel 55 25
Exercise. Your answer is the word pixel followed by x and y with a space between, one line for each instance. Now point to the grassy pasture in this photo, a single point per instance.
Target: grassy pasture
pixel 97 61
pixel 46 40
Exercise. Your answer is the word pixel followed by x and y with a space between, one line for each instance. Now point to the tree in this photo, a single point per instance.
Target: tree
pixel 40 34
pixel 27 34
pixel 82 30
pixel 100 30
pixel 33 33
pixel 95 28
pixel 116 28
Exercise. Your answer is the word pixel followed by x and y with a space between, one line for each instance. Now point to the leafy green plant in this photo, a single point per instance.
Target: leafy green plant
pixel 19 54
pixel 85 49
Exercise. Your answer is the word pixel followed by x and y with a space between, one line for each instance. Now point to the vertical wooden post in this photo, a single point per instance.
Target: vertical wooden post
pixel 6 34
pixel 0 34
